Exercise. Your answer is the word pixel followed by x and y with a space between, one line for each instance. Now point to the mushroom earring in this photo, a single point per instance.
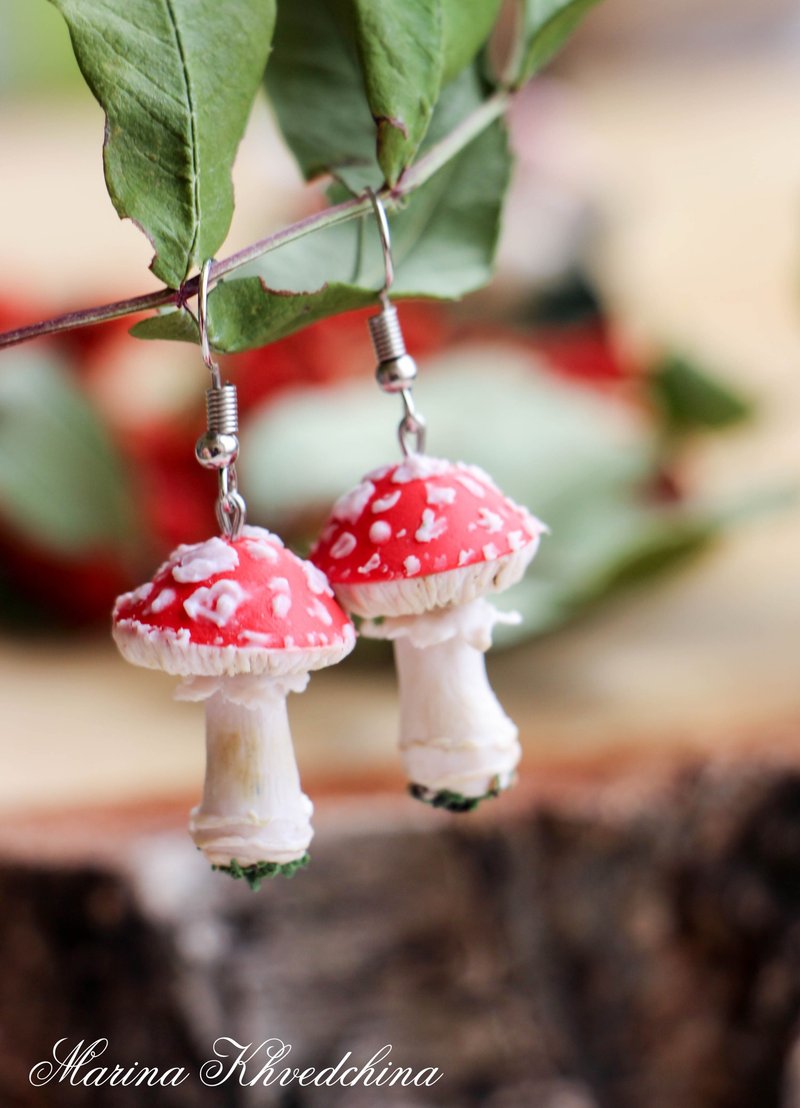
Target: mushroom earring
pixel 413 550
pixel 243 621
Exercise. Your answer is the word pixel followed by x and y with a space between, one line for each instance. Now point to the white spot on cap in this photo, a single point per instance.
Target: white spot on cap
pixel 350 507
pixel 402 534
pixel 261 638
pixel 490 520
pixel 481 475
pixel 490 552
pixel 263 551
pixel 440 494
pixel 516 540
pixel 288 641
pixel 344 545
pixel 464 556
pixel 216 603
pixel 380 531
pixel 420 466
pixel 279 584
pixel 431 527
pixel 162 601
pixel 320 612
pixel 328 531
pixel 316 580
pixel 371 565
pixel 139 594
pixel 261 534
pixel 384 503
pixel 471 485
pixel 204 560
pixel 412 565
pixel 281 603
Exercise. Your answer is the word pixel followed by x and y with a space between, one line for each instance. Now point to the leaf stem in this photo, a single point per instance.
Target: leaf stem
pixel 338 213
pixel 429 164
pixel 85 317
pixel 447 148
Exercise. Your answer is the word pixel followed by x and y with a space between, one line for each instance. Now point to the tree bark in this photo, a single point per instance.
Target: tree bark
pixel 608 945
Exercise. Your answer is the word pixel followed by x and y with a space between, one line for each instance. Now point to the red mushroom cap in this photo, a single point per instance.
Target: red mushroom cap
pixel 228 607
pixel 419 520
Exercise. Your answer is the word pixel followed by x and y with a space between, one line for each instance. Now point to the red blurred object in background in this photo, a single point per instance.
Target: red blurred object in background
pixel 175 496
pixel 74 592
pixel 332 350
pixel 583 352
pixel 16 313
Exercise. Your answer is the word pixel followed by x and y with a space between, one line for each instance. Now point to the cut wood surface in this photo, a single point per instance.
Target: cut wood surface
pixel 625 944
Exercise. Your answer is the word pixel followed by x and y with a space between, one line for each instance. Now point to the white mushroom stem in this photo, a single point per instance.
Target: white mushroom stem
pixel 454 735
pixel 253 809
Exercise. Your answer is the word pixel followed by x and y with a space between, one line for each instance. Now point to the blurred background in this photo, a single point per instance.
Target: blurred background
pixel 632 376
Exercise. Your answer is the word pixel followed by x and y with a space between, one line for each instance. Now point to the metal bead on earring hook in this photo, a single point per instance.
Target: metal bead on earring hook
pixel 397 370
pixel 218 448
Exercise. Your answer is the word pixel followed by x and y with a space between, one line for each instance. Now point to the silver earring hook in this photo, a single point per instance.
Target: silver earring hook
pixel 386 244
pixel 202 322
pixel 396 368
pixel 218 448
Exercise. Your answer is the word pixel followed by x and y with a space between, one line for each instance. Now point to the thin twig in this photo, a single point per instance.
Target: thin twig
pixel 429 164
pixel 447 148
pixel 85 317
pixel 339 213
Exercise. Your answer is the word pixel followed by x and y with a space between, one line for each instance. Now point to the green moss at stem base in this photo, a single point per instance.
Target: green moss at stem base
pixel 256 873
pixel 450 801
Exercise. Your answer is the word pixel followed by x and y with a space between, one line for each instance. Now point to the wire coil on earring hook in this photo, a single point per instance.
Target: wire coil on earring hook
pixel 218 448
pixel 396 370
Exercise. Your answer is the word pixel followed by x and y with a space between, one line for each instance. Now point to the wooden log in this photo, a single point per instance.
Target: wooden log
pixel 605 942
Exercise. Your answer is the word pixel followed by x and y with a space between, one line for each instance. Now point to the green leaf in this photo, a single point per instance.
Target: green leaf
pixel 244 314
pixel 466 24
pixel 546 25
pixel 443 246
pixel 457 100
pixel 339 63
pixel 176 79
pixel 690 399
pixel 400 47
pixel 62 483
pixel 316 88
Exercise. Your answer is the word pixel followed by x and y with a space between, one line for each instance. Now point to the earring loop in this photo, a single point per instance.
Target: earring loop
pixel 412 427
pixel 386 244
pixel 202 321
pixel 396 369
